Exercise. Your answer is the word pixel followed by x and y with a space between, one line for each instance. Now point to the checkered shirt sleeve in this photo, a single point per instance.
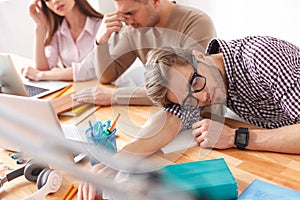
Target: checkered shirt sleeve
pixel 263 79
pixel 188 117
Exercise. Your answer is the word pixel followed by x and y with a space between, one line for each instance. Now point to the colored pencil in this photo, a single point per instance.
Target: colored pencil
pixel 58 94
pixel 66 194
pixel 114 123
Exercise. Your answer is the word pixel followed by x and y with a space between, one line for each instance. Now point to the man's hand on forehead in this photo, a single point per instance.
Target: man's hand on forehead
pixel 123 14
pixel 118 16
pixel 123 17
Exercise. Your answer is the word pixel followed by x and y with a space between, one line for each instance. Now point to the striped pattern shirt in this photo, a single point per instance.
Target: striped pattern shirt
pixel 263 81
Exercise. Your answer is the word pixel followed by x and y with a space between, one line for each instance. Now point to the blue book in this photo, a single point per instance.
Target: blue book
pixel 260 190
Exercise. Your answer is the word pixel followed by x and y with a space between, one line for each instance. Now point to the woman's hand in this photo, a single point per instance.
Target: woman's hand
pixel 32 74
pixel 36 13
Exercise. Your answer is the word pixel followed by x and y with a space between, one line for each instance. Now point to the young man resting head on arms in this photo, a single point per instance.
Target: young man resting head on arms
pixel 257 77
pixel 261 86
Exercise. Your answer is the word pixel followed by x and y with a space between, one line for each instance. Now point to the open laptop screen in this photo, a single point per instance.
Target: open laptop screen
pixel 12 83
pixel 22 111
pixel 38 111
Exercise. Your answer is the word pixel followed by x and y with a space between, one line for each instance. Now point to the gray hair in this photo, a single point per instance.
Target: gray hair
pixel 157 70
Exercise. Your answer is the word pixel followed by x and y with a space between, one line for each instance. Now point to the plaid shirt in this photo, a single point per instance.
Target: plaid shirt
pixel 188 117
pixel 263 80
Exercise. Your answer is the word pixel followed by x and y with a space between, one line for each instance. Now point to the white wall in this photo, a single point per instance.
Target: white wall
pixel 233 19
pixel 16 27
pixel 238 18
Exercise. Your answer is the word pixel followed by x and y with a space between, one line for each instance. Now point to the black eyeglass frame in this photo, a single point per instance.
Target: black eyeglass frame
pixel 191 91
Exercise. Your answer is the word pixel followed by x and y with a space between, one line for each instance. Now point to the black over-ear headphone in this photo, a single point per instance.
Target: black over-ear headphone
pixel 48 180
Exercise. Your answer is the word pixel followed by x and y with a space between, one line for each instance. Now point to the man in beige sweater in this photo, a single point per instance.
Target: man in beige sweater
pixel 149 24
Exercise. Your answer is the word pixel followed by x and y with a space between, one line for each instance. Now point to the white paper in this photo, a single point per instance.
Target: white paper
pixel 182 141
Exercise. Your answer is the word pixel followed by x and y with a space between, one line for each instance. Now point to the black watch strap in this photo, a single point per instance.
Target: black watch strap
pixel 241 138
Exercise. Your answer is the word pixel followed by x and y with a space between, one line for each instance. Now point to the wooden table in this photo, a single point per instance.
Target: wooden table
pixel 246 166
pixel 280 169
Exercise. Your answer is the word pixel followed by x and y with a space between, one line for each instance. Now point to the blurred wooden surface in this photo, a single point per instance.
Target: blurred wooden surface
pixel 246 166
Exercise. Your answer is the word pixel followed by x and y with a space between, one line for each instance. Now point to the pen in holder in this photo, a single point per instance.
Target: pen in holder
pixel 102 135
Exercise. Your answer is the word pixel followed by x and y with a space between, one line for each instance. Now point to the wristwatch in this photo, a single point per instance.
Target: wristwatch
pixel 241 138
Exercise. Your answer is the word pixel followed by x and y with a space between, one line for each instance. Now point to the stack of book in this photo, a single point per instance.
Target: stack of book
pixel 74 112
pixel 206 179
pixel 64 105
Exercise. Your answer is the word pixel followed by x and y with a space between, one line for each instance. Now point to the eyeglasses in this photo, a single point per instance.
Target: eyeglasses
pixel 197 84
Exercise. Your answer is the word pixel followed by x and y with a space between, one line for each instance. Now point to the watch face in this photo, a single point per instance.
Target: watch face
pixel 241 138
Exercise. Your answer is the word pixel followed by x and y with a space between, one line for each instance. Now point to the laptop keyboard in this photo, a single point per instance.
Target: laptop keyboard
pixel 33 90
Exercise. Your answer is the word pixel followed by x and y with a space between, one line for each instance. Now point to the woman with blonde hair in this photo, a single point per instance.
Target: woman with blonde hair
pixel 65 32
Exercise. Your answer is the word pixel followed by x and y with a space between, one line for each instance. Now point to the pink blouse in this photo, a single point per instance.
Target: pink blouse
pixel 63 49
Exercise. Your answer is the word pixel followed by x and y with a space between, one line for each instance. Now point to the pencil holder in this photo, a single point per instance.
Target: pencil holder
pixel 99 135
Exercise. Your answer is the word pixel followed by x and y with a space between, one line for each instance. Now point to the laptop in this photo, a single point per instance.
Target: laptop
pixel 12 83
pixel 39 111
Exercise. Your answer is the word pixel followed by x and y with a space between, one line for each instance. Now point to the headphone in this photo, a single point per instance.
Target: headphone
pixel 48 180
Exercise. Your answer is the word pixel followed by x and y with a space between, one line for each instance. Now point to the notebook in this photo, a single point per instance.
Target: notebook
pixel 39 110
pixel 267 191
pixel 181 142
pixel 12 83
pixel 64 103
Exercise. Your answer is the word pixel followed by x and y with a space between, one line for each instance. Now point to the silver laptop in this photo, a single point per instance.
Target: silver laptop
pixel 12 83
pixel 39 111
